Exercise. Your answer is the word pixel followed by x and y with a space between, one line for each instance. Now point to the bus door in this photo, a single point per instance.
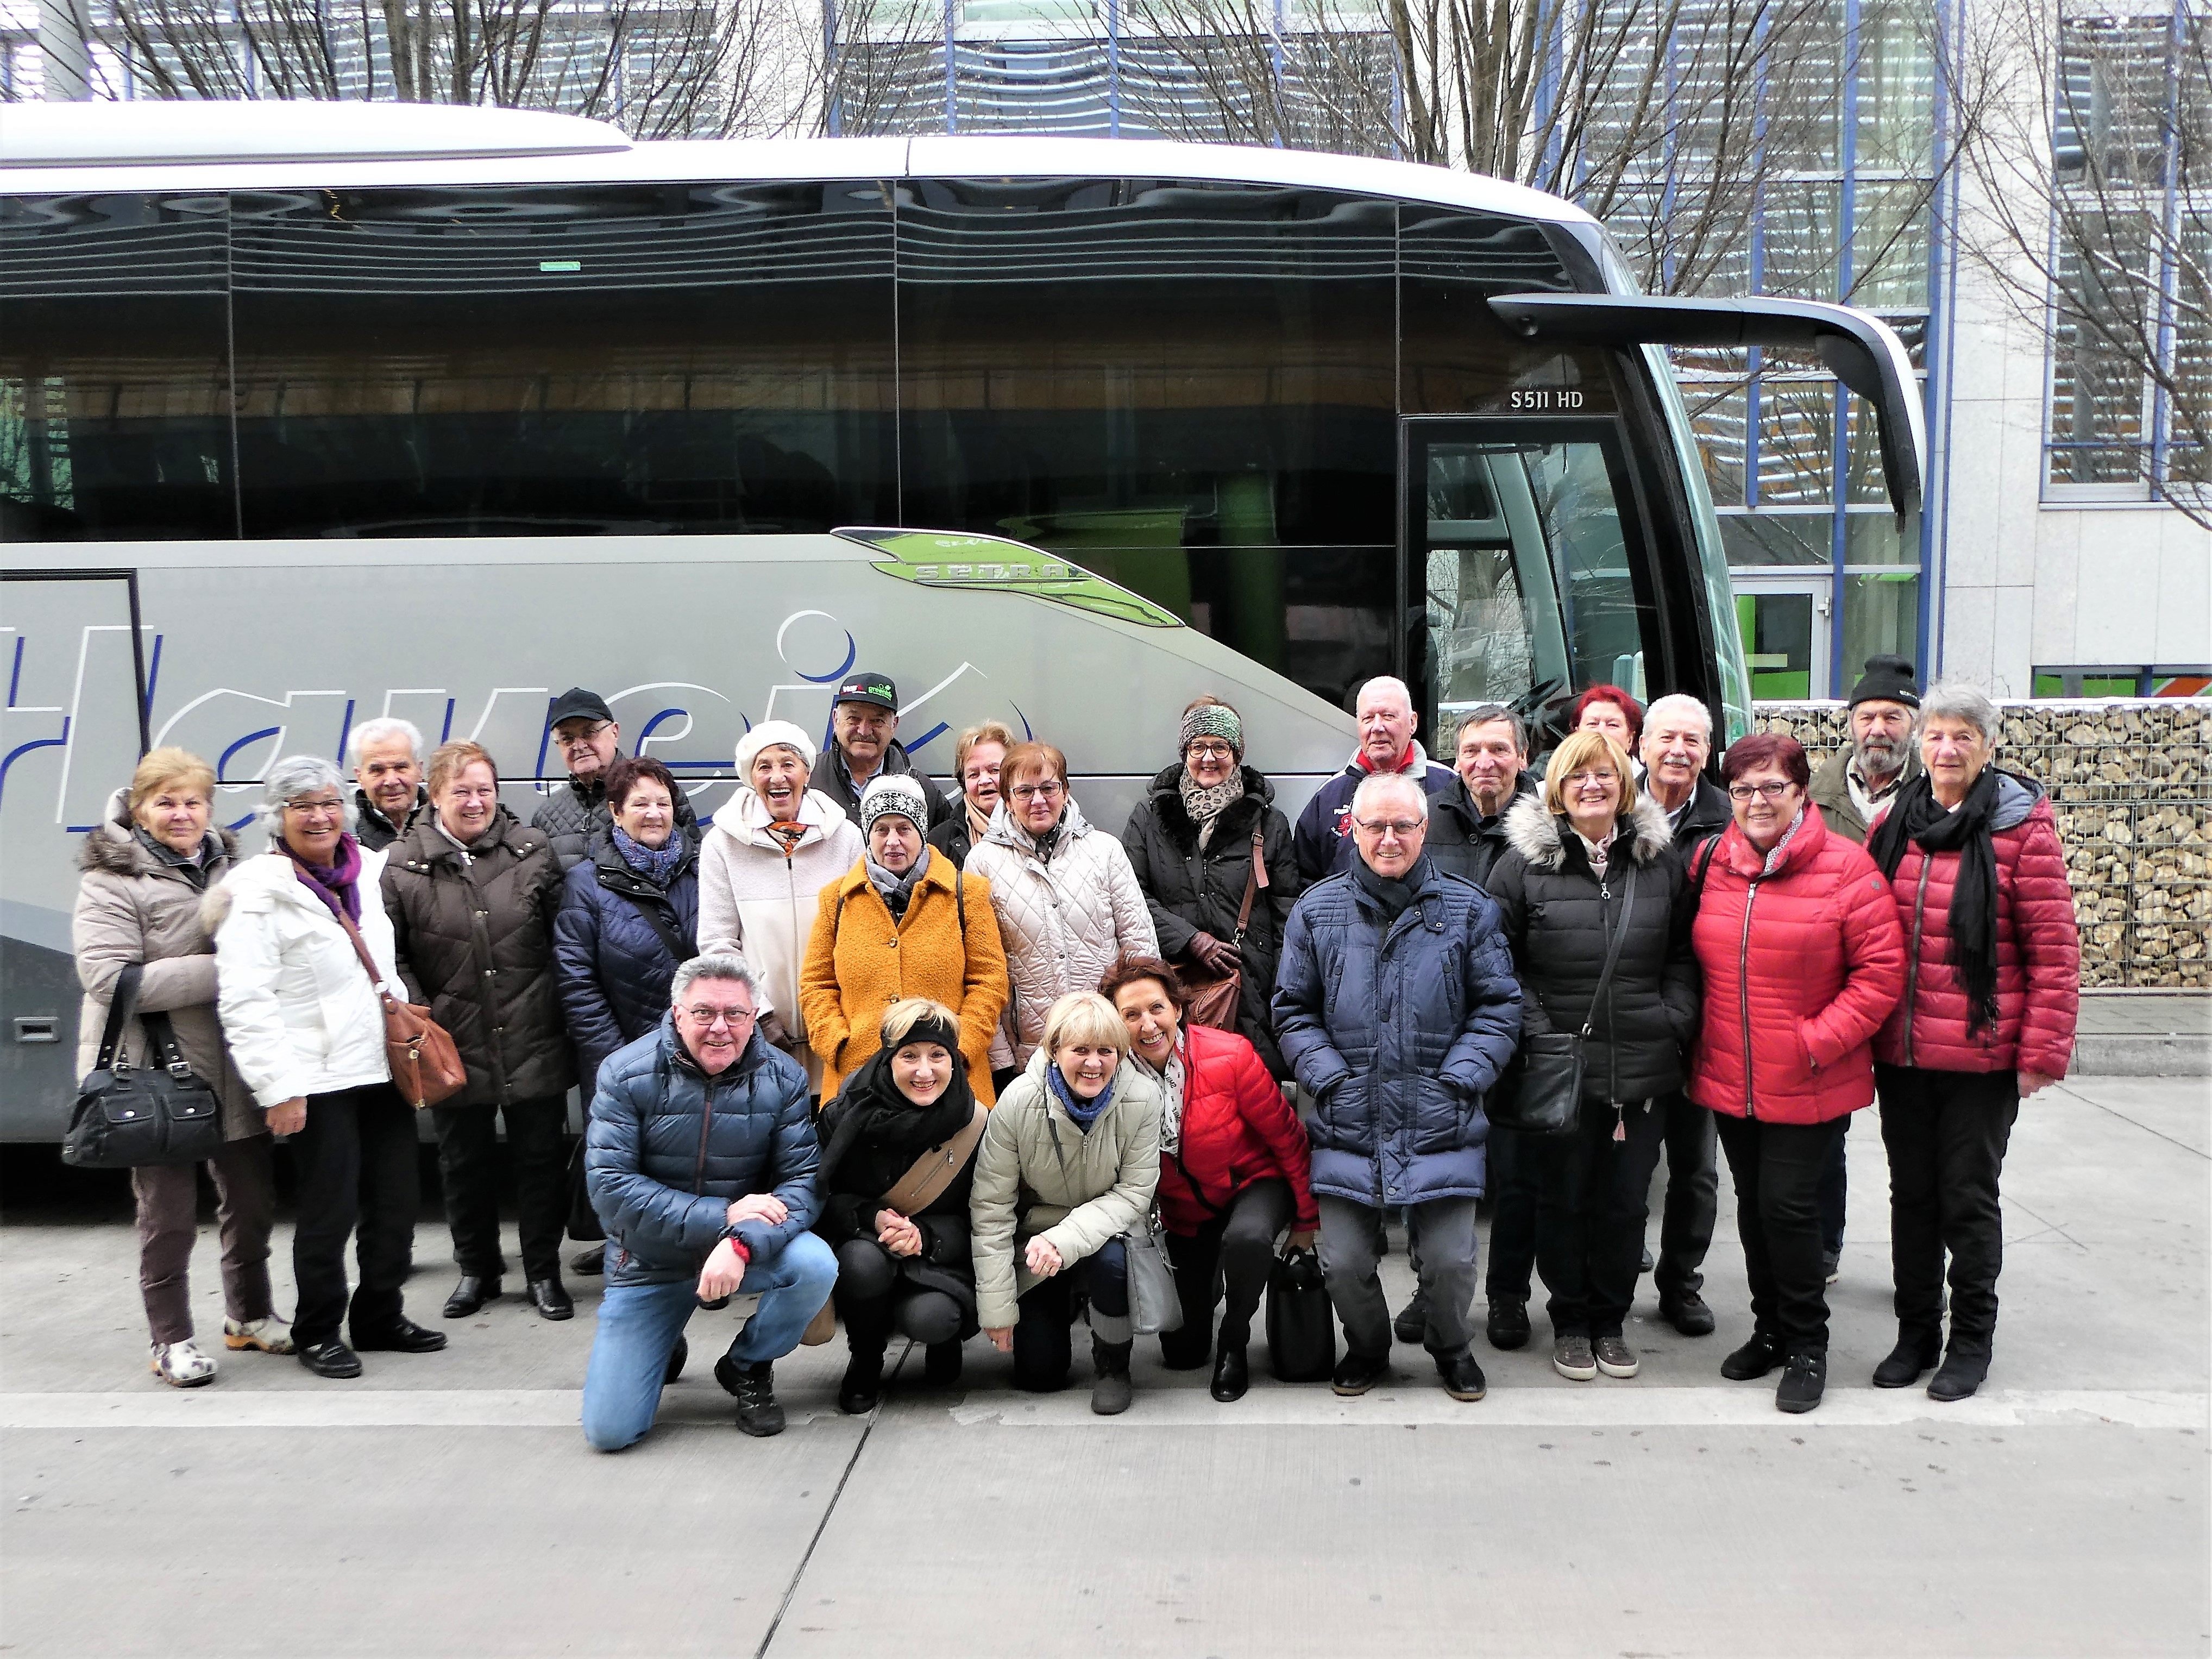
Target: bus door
pixel 1527 566
pixel 71 729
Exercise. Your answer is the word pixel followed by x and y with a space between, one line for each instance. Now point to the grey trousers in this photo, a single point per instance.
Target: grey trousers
pixel 1444 1245
pixel 168 1220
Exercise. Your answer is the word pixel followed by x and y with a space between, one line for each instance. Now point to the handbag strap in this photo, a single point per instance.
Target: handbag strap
pixel 661 925
pixel 360 949
pixel 120 1004
pixel 1612 949
pixel 1252 882
pixel 933 1172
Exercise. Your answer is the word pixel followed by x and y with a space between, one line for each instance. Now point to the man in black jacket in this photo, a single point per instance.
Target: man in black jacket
pixel 863 716
pixel 588 741
pixel 387 775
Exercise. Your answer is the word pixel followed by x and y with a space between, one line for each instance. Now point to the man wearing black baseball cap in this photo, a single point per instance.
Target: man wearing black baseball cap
pixel 863 716
pixel 586 740
pixel 1855 783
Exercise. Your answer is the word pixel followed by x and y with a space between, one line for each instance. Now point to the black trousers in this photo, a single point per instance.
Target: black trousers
pixel 875 1304
pixel 1516 1175
pixel 1777 1167
pixel 468 1166
pixel 1590 1211
pixel 1835 1193
pixel 1225 1261
pixel 1946 1134
pixel 1693 1188
pixel 356 1161
pixel 1042 1347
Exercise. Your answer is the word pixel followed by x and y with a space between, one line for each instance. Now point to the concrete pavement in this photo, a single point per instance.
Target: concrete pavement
pixel 446 1504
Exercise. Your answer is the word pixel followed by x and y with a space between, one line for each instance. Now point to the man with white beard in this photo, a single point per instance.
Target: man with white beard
pixel 1857 782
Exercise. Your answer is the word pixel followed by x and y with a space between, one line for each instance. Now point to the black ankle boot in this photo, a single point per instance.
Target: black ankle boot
pixel 940 1367
pixel 1961 1372
pixel 1908 1362
pixel 1111 1391
pixel 864 1383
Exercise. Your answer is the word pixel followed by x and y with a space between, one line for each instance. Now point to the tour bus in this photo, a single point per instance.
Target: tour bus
pixel 314 413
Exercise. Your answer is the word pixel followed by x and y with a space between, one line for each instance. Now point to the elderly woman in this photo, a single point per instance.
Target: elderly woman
pixel 1066 898
pixel 904 1265
pixel 1803 959
pixel 975 759
pixel 1234 1169
pixel 1611 712
pixel 1215 861
pixel 905 921
pixel 1069 1162
pixel 471 894
pixel 774 844
pixel 1992 981
pixel 147 863
pixel 305 1021
pixel 1590 874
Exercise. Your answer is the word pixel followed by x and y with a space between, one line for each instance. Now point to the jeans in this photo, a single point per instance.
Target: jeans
pixel 1590 1214
pixel 1442 1240
pixel 1946 1134
pixel 1693 1188
pixel 638 1325
pixel 468 1166
pixel 1777 1168
pixel 876 1303
pixel 1043 1349
pixel 1516 1172
pixel 1227 1258
pixel 356 1159
pixel 168 1197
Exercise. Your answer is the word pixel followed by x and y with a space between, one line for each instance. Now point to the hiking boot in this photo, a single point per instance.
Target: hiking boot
pixel 1507 1325
pixel 1755 1358
pixel 758 1415
pixel 1110 1390
pixel 1803 1382
pixel 1412 1323
pixel 1615 1357
pixel 1572 1360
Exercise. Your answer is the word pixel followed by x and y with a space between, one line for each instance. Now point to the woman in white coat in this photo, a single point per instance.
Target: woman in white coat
pixel 305 1028
pixel 1067 900
pixel 774 844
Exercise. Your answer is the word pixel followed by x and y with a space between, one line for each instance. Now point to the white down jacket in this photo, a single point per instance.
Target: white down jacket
pixel 757 900
pixel 298 1010
pixel 1063 921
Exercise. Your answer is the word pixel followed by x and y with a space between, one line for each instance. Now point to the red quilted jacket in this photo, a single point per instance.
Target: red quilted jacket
pixel 2039 952
pixel 1237 1129
pixel 1802 967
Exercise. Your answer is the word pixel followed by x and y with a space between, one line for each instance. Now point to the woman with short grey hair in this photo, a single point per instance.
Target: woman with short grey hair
pixel 305 1026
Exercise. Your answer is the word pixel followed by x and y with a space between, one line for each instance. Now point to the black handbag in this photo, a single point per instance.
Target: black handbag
pixel 584 1225
pixel 157 1112
pixel 1301 1325
pixel 1542 1093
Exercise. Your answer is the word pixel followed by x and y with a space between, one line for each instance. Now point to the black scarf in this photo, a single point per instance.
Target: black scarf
pixel 1394 896
pixel 1917 815
pixel 869 1109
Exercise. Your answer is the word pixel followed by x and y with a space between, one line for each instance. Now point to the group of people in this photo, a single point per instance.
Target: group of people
pixel 933 1064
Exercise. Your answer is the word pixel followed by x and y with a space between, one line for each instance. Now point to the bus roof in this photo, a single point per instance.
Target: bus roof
pixel 188 145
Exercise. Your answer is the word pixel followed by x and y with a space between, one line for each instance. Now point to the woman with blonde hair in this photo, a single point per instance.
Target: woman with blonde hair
pixel 1069 1162
pixel 147 864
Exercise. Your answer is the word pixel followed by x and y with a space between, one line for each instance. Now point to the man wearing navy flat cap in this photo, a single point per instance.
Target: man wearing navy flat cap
pixel 863 716
pixel 1857 782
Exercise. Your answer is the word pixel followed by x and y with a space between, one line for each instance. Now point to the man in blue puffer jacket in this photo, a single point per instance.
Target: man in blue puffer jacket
pixel 1397 1006
pixel 701 1159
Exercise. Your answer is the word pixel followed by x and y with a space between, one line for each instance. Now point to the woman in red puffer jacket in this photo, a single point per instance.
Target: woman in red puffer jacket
pixel 1234 1167
pixel 1803 959
pixel 1992 984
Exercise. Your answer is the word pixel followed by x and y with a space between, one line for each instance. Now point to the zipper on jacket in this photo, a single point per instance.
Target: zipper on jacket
pixel 705 1125
pixel 1612 1048
pixel 1912 956
pixel 1743 993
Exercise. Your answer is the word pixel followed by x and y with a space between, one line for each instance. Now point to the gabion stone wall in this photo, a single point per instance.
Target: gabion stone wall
pixel 2130 782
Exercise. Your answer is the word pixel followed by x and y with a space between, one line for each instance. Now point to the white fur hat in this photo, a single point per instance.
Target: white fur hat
pixel 767 735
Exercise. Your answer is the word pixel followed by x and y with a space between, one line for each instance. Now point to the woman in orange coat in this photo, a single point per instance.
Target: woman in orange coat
pixel 904 922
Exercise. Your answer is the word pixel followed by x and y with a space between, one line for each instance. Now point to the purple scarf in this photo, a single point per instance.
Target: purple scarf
pixel 335 884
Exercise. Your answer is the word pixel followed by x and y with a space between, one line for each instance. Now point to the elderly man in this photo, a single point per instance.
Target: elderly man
pixel 387 778
pixel 863 716
pixel 701 1158
pixel 1322 841
pixel 1854 784
pixel 1677 741
pixel 588 741
pixel 1397 1006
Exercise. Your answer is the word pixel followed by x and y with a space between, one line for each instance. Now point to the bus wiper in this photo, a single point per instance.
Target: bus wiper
pixel 1859 350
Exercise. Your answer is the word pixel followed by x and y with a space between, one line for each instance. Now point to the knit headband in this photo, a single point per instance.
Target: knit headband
pixel 930 1029
pixel 1213 719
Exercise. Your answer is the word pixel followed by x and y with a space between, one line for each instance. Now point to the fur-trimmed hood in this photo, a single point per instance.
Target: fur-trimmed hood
pixel 110 845
pixel 1536 835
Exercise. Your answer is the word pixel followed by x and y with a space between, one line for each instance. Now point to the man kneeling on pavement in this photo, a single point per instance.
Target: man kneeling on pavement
pixel 701 1158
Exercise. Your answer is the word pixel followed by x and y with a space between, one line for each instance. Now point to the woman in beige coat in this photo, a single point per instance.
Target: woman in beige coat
pixel 146 864
pixel 1068 1163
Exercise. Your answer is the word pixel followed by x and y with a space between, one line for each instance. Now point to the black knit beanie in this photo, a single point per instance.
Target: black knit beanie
pixel 1889 678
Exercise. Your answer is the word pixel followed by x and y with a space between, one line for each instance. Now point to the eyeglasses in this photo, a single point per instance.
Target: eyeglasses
pixel 1763 791
pixel 1401 828
pixel 1211 752
pixel 1577 779
pixel 577 739
pixel 316 808
pixel 1047 791
pixel 707 1018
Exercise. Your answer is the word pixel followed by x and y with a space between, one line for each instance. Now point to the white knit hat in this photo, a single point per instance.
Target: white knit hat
pixel 890 793
pixel 767 735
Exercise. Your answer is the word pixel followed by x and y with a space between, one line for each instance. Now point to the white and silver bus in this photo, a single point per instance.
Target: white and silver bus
pixel 312 413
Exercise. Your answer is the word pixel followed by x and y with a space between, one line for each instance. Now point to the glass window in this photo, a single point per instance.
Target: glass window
pixel 1720 415
pixel 1880 613
pixel 1778 643
pixel 1799 229
pixel 1896 90
pixel 1765 539
pixel 114 371
pixel 1874 538
pixel 1796 441
pixel 572 360
pixel 1889 245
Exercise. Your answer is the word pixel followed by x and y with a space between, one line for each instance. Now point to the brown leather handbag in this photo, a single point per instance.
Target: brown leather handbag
pixel 426 1067
pixel 1215 998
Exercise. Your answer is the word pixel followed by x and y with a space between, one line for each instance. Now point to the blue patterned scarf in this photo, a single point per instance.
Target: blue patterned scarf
pixel 1085 1112
pixel 657 865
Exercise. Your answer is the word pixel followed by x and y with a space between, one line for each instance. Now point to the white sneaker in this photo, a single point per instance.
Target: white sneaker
pixel 269 1333
pixel 181 1364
